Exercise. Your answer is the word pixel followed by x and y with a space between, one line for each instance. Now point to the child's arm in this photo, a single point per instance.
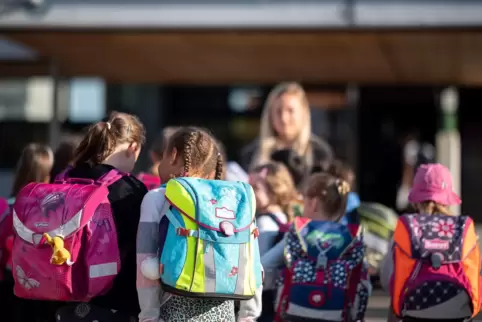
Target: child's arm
pixel 251 309
pixel 386 269
pixel 149 290
pixel 268 231
pixel 274 258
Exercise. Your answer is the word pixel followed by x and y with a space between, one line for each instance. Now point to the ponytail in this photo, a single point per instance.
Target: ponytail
pixel 97 145
pixel 102 138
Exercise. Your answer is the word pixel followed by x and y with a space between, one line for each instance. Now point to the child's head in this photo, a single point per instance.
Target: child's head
pixel 159 145
pixel 34 165
pixel 64 154
pixel 325 197
pixel 273 185
pixel 322 166
pixel 431 192
pixel 116 142
pixel 295 164
pixel 342 170
pixel 191 152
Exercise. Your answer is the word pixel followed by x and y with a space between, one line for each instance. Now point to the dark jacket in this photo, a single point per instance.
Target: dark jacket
pixel 125 196
pixel 322 153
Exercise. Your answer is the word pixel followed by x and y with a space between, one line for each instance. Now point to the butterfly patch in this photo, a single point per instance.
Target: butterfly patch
pixel 27 282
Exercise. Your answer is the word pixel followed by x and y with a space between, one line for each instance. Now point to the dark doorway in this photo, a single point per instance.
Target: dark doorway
pixel 387 115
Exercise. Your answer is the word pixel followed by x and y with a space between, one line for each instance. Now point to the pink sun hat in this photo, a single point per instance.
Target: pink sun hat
pixel 433 182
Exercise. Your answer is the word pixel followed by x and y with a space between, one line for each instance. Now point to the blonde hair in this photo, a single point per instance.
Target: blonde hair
pixel 268 137
pixel 432 208
pixel 280 185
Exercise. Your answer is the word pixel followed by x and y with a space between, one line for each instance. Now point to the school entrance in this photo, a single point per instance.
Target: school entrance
pixel 356 82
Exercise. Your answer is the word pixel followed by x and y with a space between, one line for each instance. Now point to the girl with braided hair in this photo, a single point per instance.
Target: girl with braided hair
pixel 190 152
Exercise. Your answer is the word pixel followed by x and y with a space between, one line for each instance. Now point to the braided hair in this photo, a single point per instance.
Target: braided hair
pixel 199 151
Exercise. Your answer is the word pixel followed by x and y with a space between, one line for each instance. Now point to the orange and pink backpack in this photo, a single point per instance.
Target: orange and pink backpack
pixel 435 258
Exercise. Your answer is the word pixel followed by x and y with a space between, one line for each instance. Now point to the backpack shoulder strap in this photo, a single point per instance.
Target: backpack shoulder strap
pixel 402 235
pixel 111 177
pixel 62 176
pixel 275 219
pixel 4 209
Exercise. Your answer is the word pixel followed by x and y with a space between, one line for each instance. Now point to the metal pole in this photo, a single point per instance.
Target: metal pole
pixel 348 12
pixel 449 151
pixel 54 125
pixel 353 95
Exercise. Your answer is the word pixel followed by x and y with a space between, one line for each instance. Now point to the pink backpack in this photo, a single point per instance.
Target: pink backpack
pixel 77 213
pixel 5 233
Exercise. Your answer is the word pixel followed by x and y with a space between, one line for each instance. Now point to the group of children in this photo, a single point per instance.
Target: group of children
pixel 91 243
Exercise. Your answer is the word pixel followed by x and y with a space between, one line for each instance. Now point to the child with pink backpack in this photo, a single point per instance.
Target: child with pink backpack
pixel 75 238
pixel 433 269
pixel 34 165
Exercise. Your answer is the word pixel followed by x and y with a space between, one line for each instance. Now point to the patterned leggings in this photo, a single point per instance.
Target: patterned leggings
pixel 182 309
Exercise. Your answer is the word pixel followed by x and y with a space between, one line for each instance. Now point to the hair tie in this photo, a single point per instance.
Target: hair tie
pixel 263 173
pixel 343 187
pixel 108 125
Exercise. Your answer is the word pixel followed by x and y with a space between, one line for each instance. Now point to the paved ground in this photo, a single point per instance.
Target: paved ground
pixel 378 308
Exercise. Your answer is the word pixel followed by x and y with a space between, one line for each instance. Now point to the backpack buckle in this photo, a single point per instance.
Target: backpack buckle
pixel 227 228
pixel 38 239
pixel 182 232
pixel 256 233
pixel 436 260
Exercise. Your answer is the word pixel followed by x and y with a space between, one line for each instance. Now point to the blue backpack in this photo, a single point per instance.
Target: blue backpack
pixel 324 267
pixel 209 245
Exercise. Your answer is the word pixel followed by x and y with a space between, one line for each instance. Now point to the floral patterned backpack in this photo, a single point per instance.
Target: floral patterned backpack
pixel 436 257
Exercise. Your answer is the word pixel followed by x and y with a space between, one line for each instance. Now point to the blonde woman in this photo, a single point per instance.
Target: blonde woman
pixel 286 124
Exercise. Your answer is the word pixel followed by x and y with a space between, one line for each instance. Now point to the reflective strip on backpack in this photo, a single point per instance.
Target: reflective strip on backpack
pixel 30 236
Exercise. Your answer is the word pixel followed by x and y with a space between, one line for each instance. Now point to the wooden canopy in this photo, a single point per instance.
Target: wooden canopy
pixel 219 57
